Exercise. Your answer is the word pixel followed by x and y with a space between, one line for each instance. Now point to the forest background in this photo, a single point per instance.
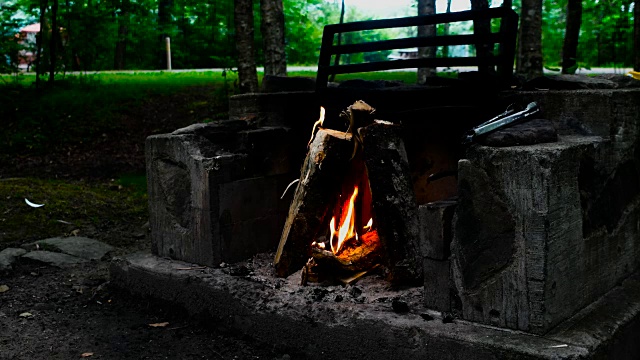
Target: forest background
pixel 129 34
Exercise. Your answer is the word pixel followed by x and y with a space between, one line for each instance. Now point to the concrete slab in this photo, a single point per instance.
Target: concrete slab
pixel 8 257
pixel 53 258
pixel 357 322
pixel 78 246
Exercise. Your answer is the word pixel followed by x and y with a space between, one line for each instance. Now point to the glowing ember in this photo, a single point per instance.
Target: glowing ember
pixel 316 125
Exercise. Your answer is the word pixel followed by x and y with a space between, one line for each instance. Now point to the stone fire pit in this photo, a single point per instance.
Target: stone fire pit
pixel 528 251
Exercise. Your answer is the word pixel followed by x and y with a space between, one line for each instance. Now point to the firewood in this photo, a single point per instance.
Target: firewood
pixel 358 115
pixel 321 176
pixel 393 200
pixel 354 257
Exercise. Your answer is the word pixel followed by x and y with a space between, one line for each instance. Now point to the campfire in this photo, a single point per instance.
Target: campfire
pixel 354 209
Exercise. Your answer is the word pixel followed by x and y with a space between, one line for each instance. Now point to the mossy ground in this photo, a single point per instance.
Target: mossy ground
pixel 112 211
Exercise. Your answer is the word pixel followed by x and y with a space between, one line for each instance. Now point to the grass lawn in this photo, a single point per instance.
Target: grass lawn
pixel 80 108
pixel 93 209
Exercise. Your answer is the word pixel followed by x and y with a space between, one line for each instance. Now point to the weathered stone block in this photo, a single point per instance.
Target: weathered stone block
pixel 209 184
pixel 435 228
pixel 437 284
pixel 533 265
pixel 293 109
pixel 531 132
pixel 611 114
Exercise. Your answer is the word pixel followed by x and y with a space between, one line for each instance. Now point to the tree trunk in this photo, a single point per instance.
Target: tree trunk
pixel 445 49
pixel 426 7
pixel 123 29
pixel 483 28
pixel 39 42
pixel 529 59
pixel 336 62
pixel 53 42
pixel 570 46
pixel 164 20
pixel 248 77
pixel 272 27
pixel 636 36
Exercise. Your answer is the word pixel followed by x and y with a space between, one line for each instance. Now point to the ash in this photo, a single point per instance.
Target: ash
pixel 327 302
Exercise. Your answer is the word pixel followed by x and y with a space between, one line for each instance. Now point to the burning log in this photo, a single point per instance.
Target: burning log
pixel 393 200
pixel 321 177
pixel 372 185
pixel 355 256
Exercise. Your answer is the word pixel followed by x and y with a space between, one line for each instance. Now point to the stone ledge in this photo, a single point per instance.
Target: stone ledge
pixel 277 311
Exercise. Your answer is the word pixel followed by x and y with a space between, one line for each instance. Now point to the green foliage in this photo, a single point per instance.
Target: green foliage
pixel 606 35
pixel 10 46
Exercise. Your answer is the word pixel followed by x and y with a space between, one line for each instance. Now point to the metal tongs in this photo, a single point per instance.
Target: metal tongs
pixel 509 117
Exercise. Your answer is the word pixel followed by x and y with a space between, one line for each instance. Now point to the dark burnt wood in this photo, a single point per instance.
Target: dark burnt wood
pixel 393 200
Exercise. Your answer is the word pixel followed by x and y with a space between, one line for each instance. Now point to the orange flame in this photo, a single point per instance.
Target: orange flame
pixel 317 124
pixel 346 230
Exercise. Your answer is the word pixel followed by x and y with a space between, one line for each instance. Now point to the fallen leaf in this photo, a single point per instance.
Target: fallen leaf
pixel 87 354
pixel 26 315
pixel 32 204
pixel 4 288
pixel 162 324
pixel 559 346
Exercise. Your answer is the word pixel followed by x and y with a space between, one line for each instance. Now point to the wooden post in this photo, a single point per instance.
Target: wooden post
pixel 168 42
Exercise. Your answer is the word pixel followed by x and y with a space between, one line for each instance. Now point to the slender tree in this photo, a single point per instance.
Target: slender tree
pixel 164 21
pixel 529 59
pixel 123 30
pixel 636 35
pixel 40 41
pixel 53 41
pixel 572 33
pixel 336 61
pixel 426 7
pixel 272 27
pixel 243 18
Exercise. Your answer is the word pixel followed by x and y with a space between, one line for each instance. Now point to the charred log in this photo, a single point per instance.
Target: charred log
pixel 393 200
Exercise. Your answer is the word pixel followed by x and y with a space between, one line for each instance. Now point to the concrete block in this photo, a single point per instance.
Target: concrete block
pixel 208 183
pixel 282 313
pixel 546 254
pixel 435 228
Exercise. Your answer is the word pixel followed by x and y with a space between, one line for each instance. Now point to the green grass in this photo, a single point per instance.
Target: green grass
pixel 97 206
pixel 77 108
pixel 80 107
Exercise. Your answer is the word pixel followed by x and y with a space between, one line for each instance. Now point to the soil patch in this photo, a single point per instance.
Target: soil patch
pixel 74 311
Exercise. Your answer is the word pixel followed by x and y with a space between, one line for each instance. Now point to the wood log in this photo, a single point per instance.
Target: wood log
pixel 393 200
pixel 356 256
pixel 321 177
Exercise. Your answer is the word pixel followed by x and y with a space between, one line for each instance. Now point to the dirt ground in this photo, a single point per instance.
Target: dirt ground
pixel 67 313
pixel 74 311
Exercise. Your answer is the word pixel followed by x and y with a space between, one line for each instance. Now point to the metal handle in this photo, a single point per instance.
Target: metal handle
pixel 509 117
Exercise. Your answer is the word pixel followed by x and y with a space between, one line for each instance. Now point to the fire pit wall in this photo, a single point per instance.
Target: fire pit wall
pixel 215 189
pixel 542 231
pixel 537 233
